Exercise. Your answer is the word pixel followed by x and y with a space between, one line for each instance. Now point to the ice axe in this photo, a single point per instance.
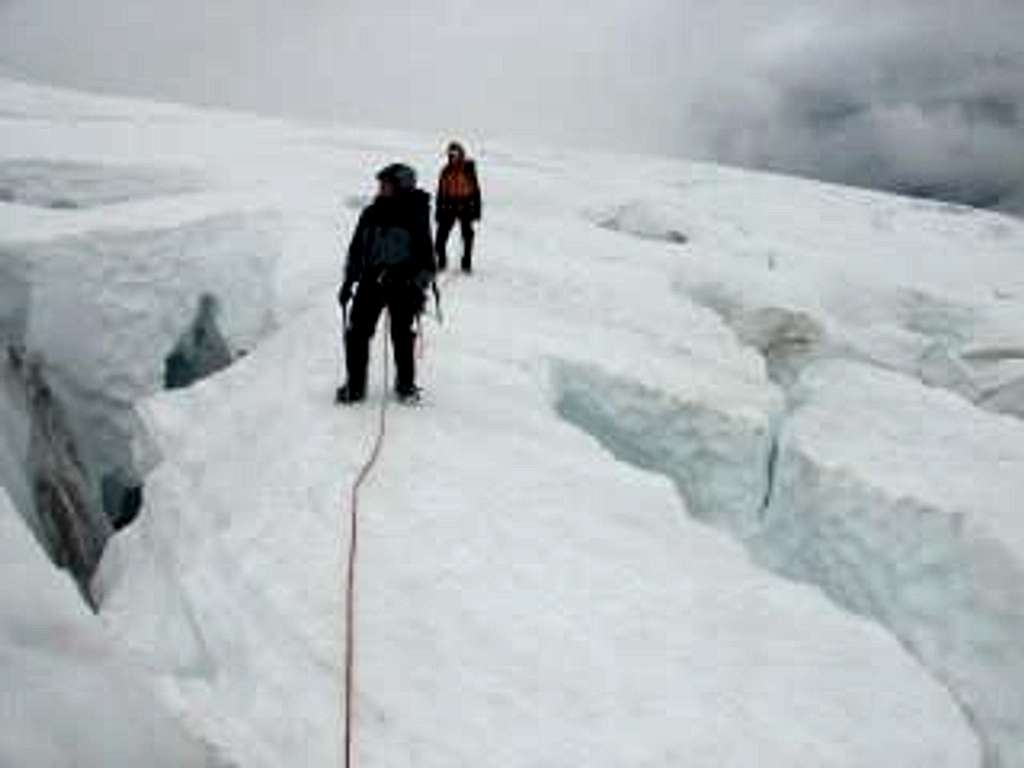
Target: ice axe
pixel 437 301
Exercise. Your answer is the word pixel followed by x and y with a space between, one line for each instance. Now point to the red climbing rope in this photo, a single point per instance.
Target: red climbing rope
pixel 353 547
pixel 353 551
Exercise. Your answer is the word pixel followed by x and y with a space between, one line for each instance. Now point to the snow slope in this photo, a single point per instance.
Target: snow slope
pixel 522 600
pixel 526 570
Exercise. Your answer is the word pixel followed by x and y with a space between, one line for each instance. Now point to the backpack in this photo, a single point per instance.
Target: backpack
pixel 389 246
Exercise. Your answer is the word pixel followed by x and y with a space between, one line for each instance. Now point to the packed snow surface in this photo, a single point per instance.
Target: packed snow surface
pixel 665 385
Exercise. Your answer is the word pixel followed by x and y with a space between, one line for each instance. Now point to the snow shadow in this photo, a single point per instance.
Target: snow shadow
pixel 718 460
pixel 201 350
pixel 42 458
pixel 70 185
pixel 643 220
pixel 787 338
pixel 358 202
pixel 929 339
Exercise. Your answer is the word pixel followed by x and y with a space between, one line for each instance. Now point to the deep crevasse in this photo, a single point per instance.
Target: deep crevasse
pixel 928 554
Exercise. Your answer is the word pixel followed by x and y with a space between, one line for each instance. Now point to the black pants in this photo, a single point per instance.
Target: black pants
pixel 445 222
pixel 370 300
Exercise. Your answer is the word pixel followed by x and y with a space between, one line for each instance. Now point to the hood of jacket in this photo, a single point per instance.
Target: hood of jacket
pixel 402 207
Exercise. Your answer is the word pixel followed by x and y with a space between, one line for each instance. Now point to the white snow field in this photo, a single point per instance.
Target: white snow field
pixel 714 468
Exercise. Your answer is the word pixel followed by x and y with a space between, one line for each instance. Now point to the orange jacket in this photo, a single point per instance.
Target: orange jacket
pixel 458 191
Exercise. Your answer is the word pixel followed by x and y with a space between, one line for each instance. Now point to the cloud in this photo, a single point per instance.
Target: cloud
pixel 488 66
pixel 920 96
pixel 926 99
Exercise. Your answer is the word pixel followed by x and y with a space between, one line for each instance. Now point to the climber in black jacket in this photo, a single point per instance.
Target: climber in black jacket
pixel 390 264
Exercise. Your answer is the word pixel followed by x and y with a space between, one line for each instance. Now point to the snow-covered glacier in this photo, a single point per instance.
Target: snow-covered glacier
pixel 513 581
pixel 714 468
pixel 890 474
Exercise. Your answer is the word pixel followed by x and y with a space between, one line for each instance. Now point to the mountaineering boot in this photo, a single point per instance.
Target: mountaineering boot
pixel 408 395
pixel 348 394
pixel 403 341
pixel 357 354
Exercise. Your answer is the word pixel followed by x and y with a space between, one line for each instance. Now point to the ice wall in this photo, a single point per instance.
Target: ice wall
pixel 93 314
pixel 900 501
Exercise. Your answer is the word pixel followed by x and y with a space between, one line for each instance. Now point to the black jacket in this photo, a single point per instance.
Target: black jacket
pixel 392 242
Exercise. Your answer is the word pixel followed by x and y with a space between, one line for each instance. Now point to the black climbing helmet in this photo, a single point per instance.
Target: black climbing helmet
pixel 398 174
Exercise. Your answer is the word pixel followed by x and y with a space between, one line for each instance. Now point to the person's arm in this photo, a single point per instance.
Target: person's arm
pixel 477 204
pixel 355 258
pixel 423 267
pixel 424 244
pixel 439 197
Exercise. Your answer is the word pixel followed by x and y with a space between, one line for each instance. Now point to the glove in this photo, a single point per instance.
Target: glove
pixel 423 279
pixel 417 299
pixel 345 293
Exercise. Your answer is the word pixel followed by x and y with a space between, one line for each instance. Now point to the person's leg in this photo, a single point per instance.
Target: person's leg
pixel 366 309
pixel 403 340
pixel 466 224
pixel 445 222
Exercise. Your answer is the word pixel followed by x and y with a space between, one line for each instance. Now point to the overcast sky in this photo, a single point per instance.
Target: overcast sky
pixel 915 95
